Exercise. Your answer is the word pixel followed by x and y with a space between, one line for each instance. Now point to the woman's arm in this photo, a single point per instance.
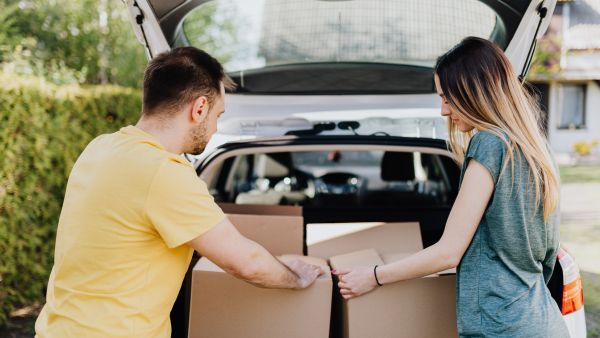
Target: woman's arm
pixel 473 197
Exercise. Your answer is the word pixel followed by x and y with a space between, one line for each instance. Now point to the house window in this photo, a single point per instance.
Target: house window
pixel 572 106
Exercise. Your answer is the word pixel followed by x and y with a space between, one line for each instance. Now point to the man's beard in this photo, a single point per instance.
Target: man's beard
pixel 196 140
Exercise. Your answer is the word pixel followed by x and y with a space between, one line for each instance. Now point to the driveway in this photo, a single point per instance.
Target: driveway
pixel 580 226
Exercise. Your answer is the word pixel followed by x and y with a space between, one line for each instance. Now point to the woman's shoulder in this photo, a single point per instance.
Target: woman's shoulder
pixel 491 135
pixel 488 147
pixel 489 141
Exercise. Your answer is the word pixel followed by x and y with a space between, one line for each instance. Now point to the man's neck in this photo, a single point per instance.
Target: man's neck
pixel 169 137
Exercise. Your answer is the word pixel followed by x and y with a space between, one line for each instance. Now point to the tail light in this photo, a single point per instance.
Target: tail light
pixel 572 299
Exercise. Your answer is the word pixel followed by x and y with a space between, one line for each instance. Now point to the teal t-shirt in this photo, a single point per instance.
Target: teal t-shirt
pixel 501 279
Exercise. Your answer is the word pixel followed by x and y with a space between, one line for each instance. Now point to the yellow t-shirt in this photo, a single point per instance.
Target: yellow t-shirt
pixel 120 256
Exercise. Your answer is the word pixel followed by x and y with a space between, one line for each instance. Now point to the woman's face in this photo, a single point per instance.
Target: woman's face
pixel 447 110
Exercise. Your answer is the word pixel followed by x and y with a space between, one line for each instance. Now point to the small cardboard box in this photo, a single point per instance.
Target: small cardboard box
pixel 387 238
pixel 418 308
pixel 225 307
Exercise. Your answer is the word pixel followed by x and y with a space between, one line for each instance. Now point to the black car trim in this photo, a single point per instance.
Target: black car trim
pixel 316 78
pixel 324 140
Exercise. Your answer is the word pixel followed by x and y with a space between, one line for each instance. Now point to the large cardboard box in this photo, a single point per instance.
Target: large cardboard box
pixel 225 307
pixel 419 308
pixel 387 238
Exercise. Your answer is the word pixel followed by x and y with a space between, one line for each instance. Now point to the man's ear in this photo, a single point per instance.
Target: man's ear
pixel 199 109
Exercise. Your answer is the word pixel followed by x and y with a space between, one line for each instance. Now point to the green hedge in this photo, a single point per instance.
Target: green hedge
pixel 43 129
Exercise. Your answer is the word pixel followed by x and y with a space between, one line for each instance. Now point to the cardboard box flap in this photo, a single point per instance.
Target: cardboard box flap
pixel 368 257
pixel 257 209
pixel 385 238
pixel 204 264
pixel 395 256
pixel 279 234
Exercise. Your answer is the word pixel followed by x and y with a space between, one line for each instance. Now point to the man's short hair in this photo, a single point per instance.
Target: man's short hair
pixel 175 78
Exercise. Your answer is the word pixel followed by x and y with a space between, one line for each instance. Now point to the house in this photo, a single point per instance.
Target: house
pixel 566 72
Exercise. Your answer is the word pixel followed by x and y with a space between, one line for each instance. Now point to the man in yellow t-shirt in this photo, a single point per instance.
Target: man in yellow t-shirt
pixel 134 211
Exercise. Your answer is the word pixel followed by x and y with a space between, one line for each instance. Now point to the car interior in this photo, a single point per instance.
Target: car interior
pixel 337 178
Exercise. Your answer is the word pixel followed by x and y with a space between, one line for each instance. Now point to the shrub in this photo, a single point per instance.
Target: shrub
pixel 585 148
pixel 43 130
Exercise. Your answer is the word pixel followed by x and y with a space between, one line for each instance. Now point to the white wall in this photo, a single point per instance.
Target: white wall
pixel 562 140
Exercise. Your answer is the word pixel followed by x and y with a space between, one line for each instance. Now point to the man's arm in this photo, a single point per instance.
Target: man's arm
pixel 247 260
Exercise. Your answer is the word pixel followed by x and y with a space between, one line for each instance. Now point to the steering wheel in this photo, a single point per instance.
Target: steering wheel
pixel 338 183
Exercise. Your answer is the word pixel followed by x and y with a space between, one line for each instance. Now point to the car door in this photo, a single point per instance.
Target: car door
pixel 158 24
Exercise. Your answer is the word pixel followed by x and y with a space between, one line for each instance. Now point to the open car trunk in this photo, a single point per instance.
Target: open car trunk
pixel 348 200
pixel 348 195
pixel 381 46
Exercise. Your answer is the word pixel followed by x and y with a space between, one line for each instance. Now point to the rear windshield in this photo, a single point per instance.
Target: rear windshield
pixel 246 34
pixel 343 178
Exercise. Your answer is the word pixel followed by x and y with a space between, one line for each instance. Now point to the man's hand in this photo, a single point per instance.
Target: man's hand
pixel 247 260
pixel 355 282
pixel 307 273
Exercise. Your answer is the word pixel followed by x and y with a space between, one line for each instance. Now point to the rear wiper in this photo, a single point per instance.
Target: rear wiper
pixel 316 129
pixel 323 126
pixel 349 125
pixel 354 125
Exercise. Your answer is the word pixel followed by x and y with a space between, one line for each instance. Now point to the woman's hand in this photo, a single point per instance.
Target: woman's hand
pixel 355 282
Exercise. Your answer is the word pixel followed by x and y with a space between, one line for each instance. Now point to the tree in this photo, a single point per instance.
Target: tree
pixel 86 41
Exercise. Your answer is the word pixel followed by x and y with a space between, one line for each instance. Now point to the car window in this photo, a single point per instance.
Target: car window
pixel 246 34
pixel 337 158
pixel 337 177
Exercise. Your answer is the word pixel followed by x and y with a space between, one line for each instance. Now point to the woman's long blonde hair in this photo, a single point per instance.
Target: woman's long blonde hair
pixel 481 87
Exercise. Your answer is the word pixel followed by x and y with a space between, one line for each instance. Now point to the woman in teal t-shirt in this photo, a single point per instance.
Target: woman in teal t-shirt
pixel 502 232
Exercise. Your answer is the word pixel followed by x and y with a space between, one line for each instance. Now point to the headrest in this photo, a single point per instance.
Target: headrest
pixel 265 166
pixel 398 166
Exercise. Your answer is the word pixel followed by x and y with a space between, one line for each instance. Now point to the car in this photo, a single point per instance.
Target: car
pixel 335 108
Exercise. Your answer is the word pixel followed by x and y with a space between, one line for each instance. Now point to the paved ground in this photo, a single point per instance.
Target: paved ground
pixel 580 235
pixel 580 226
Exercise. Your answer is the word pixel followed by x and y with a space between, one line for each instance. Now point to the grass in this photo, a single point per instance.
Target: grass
pixel 19 327
pixel 580 174
pixel 591 294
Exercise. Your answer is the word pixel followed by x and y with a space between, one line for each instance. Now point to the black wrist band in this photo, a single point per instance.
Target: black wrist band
pixel 375 273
